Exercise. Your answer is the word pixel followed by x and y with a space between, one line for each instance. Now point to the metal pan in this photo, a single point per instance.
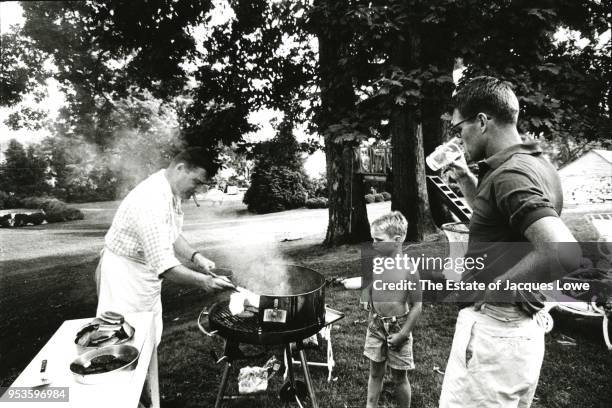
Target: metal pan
pixel 126 353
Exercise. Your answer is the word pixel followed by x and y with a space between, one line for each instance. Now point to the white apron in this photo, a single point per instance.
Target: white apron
pixel 139 289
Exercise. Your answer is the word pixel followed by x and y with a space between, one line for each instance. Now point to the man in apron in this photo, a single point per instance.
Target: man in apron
pixel 144 240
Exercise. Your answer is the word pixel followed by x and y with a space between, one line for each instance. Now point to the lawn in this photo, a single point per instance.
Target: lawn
pixel 572 376
pixel 56 288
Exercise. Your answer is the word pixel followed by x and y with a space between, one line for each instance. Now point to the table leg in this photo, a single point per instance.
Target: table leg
pixel 330 355
pixel 311 391
pixel 223 386
pixel 152 380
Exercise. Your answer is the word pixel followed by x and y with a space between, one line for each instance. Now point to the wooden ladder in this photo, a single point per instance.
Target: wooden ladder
pixel 452 200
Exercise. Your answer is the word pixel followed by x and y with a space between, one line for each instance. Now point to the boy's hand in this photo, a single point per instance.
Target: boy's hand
pixel 396 340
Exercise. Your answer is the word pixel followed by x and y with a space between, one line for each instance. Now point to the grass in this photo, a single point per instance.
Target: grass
pixel 571 376
pixel 39 293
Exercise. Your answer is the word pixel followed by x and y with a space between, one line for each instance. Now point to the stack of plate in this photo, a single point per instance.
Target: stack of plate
pixel 108 329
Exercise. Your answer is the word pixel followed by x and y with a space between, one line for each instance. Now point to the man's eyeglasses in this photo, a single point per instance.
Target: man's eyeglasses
pixel 455 130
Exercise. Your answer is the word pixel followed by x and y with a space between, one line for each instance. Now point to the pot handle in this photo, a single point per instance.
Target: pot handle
pixel 333 281
pixel 204 312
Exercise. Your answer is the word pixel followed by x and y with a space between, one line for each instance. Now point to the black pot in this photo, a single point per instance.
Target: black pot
pixel 291 306
pixel 297 304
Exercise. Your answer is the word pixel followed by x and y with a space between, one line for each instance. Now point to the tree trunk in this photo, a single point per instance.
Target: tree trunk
pixel 409 183
pixel 433 136
pixel 436 102
pixel 348 221
pixel 348 218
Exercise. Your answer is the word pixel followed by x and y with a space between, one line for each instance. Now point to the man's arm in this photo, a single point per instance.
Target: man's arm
pixel 555 253
pixel 185 276
pixel 185 250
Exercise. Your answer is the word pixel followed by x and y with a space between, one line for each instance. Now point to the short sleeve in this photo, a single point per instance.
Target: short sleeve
pixel 154 229
pixel 521 199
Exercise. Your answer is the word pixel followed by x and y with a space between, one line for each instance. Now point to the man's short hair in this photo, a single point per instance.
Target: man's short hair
pixel 192 157
pixel 487 95
pixel 392 224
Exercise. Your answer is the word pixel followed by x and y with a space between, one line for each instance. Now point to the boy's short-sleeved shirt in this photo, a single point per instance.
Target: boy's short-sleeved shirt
pixel 516 187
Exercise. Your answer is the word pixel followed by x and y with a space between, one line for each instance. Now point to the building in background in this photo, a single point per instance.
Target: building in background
pixel 588 179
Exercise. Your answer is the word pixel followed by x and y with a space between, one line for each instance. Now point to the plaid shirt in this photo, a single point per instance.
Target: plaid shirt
pixel 147 223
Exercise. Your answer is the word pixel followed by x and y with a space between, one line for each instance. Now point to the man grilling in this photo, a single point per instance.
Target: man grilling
pixel 144 240
pixel 498 346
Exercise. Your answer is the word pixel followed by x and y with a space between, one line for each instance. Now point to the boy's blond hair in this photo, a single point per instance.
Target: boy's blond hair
pixel 392 224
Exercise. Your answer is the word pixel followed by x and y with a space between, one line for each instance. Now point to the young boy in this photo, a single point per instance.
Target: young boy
pixel 393 314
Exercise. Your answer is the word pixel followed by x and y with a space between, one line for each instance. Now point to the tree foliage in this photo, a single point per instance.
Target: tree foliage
pixel 564 88
pixel 22 70
pixel 353 69
pixel 278 181
pixel 23 170
pixel 399 57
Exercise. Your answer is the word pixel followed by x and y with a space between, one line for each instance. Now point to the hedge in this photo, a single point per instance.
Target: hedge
pixel 317 202
pixel 55 210
pixel 277 188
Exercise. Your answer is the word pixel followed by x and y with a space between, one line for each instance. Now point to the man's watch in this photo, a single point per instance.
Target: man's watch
pixel 193 255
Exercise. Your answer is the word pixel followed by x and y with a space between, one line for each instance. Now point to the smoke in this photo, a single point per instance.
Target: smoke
pixel 132 155
pixel 141 137
pixel 257 263
pixel 135 155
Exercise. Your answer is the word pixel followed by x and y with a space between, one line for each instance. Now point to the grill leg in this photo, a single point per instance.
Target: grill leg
pixel 311 391
pixel 289 359
pixel 223 386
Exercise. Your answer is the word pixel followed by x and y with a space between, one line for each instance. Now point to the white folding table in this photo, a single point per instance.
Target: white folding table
pixel 122 391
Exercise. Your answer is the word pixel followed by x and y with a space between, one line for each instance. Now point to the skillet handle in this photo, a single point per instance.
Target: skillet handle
pixel 204 312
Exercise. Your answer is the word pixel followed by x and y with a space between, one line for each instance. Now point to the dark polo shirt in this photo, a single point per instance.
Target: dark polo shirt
pixel 516 187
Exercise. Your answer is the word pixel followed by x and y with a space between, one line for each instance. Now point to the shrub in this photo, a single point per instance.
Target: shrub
pixel 8 201
pixel 276 188
pixel 379 198
pixel 21 220
pixel 386 196
pixel 317 187
pixel 369 198
pixel 6 220
pixel 55 210
pixel 36 218
pixel 317 202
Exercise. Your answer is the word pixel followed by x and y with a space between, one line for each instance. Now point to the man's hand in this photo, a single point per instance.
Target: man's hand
pixel 396 340
pixel 203 263
pixel 465 178
pixel 211 284
pixel 459 168
pixel 496 296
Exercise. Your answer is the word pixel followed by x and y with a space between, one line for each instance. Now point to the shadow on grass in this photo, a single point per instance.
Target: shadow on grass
pixel 36 298
pixel 84 234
